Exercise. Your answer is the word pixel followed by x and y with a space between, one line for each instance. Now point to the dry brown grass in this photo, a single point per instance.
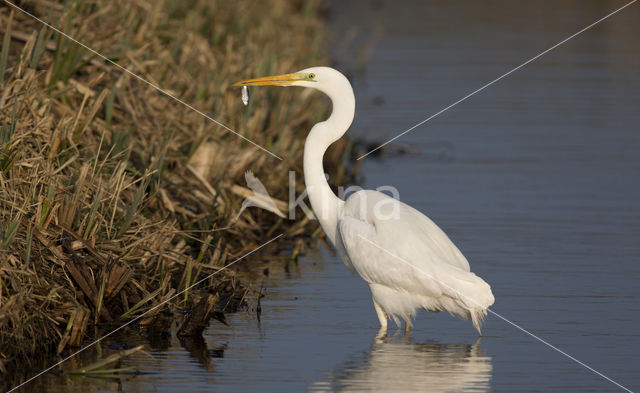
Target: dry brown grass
pixel 113 196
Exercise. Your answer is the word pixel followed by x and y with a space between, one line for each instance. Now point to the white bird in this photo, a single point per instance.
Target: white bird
pixel 407 260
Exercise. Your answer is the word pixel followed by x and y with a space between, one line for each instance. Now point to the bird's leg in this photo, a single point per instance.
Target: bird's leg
pixel 381 335
pixel 382 316
pixel 407 326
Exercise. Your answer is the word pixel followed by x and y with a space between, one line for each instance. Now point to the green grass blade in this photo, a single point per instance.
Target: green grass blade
pixel 9 233
pixel 29 244
pixel 98 367
pixel 133 207
pixel 108 106
pixel 4 55
pixel 101 294
pixel 138 305
pixel 38 50
pixel 92 214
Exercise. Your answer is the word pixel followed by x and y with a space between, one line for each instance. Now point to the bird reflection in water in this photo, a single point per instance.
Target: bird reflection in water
pixel 397 364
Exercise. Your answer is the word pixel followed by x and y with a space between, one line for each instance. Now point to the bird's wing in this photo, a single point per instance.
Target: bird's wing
pixel 430 233
pixel 407 252
pixel 395 218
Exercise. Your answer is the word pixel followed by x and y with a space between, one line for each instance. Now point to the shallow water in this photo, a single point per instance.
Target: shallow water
pixel 535 179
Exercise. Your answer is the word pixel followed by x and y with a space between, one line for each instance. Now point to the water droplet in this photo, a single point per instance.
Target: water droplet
pixel 245 95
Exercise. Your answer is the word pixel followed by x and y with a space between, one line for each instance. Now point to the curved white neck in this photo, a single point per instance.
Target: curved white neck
pixel 326 205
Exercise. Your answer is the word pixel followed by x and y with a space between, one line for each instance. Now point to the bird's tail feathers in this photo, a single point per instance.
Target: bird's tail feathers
pixel 477 317
pixel 473 295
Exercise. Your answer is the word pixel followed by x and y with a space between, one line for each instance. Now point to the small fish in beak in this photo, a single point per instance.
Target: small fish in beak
pixel 245 95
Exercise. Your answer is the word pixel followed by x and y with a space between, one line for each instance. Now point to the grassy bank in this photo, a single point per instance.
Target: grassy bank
pixel 114 197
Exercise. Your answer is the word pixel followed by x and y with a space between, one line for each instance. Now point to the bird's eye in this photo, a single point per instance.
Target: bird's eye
pixel 311 76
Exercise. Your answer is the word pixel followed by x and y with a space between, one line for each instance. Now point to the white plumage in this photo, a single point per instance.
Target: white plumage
pixel 407 260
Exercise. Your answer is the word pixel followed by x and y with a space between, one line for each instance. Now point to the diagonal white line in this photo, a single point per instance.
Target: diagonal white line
pixel 559 350
pixel 142 315
pixel 142 79
pixel 496 80
pixel 499 316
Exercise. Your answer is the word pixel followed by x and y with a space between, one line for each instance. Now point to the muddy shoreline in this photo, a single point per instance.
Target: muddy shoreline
pixel 115 197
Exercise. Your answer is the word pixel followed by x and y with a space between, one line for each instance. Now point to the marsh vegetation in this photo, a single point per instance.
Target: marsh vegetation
pixel 114 196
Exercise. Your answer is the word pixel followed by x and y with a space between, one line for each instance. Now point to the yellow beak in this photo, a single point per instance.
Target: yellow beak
pixel 275 80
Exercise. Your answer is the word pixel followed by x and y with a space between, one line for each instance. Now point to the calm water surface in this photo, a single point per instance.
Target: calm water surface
pixel 535 179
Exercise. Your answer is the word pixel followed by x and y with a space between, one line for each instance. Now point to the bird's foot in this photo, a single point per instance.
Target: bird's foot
pixel 382 333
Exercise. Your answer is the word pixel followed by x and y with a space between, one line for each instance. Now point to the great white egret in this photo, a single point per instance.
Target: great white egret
pixel 407 260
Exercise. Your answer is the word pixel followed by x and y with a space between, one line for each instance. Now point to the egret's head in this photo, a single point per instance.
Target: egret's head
pixel 314 77
pixel 329 81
